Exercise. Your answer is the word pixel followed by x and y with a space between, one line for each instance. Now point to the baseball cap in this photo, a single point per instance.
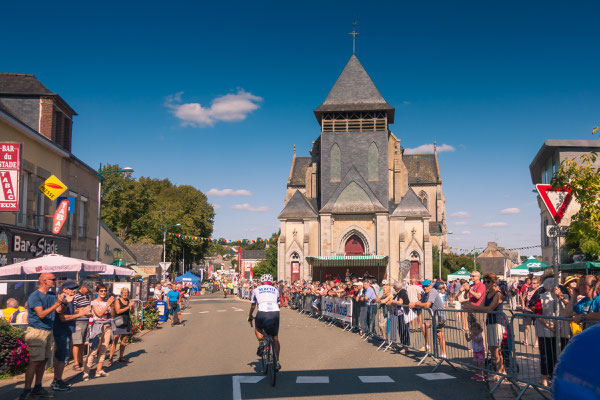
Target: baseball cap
pixel 426 282
pixel 69 285
pixel 336 281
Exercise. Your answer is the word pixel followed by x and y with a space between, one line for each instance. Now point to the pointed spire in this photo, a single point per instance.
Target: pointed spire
pixel 294 150
pixel 434 147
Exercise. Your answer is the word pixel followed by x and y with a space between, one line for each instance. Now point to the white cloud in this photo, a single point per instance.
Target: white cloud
pixel 465 233
pixel 494 224
pixel 216 206
pixel 228 192
pixel 509 211
pixel 248 207
pixel 460 214
pixel 461 223
pixel 228 108
pixel 428 149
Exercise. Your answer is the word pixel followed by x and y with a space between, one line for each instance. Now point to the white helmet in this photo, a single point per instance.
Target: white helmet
pixel 266 278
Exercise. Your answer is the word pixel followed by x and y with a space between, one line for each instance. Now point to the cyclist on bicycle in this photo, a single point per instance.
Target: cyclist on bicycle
pixel 266 298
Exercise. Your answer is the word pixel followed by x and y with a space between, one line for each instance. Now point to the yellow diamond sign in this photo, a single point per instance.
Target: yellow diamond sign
pixel 53 187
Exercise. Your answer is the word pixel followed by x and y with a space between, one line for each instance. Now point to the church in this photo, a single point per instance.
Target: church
pixel 358 204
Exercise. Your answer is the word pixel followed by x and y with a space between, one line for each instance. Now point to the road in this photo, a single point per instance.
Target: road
pixel 205 359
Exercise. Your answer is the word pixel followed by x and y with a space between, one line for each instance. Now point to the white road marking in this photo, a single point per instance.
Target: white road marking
pixel 312 379
pixel 202 312
pixel 376 379
pixel 237 309
pixel 237 384
pixel 436 376
pixel 221 310
pixel 185 313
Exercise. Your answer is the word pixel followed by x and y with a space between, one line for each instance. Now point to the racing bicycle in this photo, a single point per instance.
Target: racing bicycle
pixel 268 357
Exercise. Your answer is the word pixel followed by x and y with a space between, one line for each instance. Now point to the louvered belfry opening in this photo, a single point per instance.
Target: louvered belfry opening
pixel 354 122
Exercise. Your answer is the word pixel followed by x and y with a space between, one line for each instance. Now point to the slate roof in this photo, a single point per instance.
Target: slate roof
pixel 297 207
pixel 301 164
pixel 253 254
pixel 353 196
pixel 147 254
pixel 411 206
pixel 421 168
pixel 22 84
pixel 435 227
pixel 354 91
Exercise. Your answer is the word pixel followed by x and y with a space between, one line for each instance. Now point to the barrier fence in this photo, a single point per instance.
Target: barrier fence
pixel 507 346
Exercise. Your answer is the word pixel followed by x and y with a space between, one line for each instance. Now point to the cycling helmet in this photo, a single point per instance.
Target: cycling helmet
pixel 266 278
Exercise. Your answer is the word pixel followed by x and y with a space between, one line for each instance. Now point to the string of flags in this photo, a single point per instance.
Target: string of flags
pixel 526 247
pixel 220 241
pixel 480 251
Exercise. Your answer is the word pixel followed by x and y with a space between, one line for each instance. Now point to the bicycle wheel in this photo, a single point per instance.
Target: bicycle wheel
pixel 273 365
pixel 265 358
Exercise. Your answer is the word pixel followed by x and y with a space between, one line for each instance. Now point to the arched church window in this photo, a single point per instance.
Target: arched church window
pixel 423 197
pixel 335 163
pixel 295 256
pixel 373 162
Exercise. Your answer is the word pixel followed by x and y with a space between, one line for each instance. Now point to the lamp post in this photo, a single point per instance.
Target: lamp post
pixel 100 173
pixel 164 229
pixel 440 247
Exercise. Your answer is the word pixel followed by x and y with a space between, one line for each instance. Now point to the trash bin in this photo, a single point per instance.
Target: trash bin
pixel 161 306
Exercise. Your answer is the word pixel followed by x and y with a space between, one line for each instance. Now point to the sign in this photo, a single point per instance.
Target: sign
pixel 10 171
pixel 52 187
pixel 71 203
pixel 23 244
pixel 337 308
pixel 60 216
pixel 556 231
pixel 556 200
pixel 295 267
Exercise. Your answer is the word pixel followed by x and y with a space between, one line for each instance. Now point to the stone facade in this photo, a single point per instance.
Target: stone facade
pixel 358 193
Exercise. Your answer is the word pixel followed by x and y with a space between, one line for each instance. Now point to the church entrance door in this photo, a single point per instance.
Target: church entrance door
pixel 295 271
pixel 414 270
pixel 354 246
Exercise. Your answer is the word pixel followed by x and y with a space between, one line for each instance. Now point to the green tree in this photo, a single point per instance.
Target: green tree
pixel 582 177
pixel 269 265
pixel 452 262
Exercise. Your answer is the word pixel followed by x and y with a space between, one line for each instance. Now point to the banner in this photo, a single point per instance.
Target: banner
pixel 337 308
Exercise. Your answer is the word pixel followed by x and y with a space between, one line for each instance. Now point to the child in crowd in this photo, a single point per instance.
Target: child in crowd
pixel 474 336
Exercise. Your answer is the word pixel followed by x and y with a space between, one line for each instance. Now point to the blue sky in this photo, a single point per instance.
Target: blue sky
pixel 493 81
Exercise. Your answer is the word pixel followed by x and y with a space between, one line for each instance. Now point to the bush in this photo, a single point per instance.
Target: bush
pixel 14 354
pixel 150 318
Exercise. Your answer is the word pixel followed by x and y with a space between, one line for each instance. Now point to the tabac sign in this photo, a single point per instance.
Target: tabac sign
pixel 10 169
pixel 52 187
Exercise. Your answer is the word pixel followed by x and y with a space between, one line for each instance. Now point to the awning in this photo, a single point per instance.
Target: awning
pixel 585 266
pixel 348 261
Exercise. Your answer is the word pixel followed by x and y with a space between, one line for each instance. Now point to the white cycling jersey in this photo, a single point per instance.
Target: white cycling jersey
pixel 267 298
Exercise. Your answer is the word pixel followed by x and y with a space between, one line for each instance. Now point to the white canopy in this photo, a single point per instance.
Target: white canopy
pixel 51 263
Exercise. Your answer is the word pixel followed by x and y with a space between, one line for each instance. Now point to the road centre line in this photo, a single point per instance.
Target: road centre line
pixel 376 379
pixel 202 312
pixel 185 313
pixel 312 379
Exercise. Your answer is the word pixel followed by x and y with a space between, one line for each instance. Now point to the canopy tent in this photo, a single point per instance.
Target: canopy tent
pixel 188 277
pixel 460 274
pixel 52 263
pixel 119 271
pixel 587 267
pixel 527 268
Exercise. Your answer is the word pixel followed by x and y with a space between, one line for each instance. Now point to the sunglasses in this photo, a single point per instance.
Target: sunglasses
pixel 50 279
pixel 102 291
pixel 487 281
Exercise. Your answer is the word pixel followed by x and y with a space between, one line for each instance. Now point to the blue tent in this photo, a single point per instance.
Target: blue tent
pixel 188 277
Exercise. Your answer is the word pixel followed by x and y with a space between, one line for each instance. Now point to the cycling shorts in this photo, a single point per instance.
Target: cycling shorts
pixel 268 322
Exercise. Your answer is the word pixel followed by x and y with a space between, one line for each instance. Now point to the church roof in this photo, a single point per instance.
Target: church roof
pixel 421 168
pixel 411 206
pixel 298 207
pixel 354 91
pixel 299 168
pixel 353 196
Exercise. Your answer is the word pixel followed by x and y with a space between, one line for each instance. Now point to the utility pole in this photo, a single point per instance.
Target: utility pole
pixel 440 260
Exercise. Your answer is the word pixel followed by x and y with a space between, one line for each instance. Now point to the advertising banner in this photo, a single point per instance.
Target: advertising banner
pixel 10 169
pixel 18 245
pixel 337 308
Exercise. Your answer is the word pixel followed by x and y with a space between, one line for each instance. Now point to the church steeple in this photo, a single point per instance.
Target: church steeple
pixel 353 93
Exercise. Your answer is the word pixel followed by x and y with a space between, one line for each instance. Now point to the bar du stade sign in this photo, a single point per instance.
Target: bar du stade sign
pixel 337 308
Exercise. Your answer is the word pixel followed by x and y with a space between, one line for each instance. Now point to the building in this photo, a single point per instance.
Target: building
pixel 498 260
pixel 113 250
pixel 248 261
pixel 149 257
pixel 41 121
pixel 542 169
pixel 358 201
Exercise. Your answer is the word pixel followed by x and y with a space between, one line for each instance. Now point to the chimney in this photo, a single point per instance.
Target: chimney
pixel 46 116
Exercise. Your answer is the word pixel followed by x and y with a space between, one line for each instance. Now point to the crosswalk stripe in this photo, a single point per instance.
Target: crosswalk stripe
pixel 434 376
pixel 376 379
pixel 312 379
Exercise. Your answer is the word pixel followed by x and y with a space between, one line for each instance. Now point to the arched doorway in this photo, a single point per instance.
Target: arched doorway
pixel 354 246
pixel 295 267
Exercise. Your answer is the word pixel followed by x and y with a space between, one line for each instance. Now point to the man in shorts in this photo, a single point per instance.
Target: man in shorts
pixel 432 299
pixel 174 297
pixel 81 301
pixel 42 308
pixel 266 298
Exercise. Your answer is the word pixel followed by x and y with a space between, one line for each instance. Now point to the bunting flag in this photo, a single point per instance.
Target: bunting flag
pixel 221 240
pixel 480 251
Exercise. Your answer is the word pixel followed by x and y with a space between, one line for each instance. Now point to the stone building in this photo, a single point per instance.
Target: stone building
pixel 358 202
pixel 542 169
pixel 496 259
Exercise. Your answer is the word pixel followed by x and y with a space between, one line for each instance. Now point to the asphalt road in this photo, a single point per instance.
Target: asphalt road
pixel 216 351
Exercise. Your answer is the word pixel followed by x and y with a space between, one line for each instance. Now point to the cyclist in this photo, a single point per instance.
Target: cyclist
pixel 230 288
pixel 266 298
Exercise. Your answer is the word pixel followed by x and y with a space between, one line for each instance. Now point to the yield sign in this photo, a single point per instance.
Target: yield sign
pixel 556 200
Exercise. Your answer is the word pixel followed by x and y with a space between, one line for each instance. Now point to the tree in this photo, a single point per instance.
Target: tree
pixel 582 177
pixel 269 265
pixel 452 262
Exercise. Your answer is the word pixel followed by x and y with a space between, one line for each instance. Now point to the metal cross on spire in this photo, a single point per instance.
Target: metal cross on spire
pixel 354 33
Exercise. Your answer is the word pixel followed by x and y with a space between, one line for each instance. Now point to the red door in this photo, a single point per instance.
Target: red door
pixel 354 246
pixel 414 270
pixel 295 271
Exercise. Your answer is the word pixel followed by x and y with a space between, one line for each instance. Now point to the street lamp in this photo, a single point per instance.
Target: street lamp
pixel 100 173
pixel 164 229
pixel 441 245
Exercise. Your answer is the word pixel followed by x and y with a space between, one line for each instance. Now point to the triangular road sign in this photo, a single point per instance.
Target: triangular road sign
pixel 556 200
